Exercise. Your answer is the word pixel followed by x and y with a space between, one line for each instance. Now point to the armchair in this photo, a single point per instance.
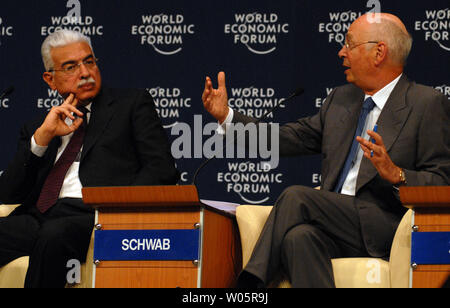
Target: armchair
pixel 348 272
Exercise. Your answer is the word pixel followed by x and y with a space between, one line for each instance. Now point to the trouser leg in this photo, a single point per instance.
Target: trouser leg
pixel 51 240
pixel 334 214
pixel 306 257
pixel 59 240
pixel 17 237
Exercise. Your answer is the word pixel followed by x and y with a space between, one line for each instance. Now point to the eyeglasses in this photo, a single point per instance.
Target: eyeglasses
pixel 347 45
pixel 72 69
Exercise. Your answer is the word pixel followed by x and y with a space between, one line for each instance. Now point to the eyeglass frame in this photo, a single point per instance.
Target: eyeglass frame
pixel 347 45
pixel 76 67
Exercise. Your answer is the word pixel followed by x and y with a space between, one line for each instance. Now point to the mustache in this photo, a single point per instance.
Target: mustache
pixel 86 81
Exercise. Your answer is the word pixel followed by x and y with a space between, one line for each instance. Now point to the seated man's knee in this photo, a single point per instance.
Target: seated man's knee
pixel 300 235
pixel 298 196
pixel 52 234
pixel 296 192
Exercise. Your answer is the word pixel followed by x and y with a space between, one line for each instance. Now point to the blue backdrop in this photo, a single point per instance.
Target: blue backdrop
pixel 267 48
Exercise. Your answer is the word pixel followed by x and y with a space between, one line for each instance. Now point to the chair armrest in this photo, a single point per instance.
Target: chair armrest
pixel 251 220
pixel 400 258
pixel 87 268
pixel 6 209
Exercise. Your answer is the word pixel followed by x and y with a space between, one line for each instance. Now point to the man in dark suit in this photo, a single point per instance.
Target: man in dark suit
pixel 116 140
pixel 357 210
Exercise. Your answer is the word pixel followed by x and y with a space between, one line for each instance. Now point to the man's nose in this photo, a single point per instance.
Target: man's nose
pixel 84 72
pixel 343 52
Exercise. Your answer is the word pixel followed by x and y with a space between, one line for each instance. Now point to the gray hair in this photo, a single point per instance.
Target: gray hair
pixel 59 39
pixel 398 40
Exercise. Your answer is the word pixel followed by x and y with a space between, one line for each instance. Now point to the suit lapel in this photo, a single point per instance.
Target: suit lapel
pixel 343 138
pixel 391 120
pixel 101 113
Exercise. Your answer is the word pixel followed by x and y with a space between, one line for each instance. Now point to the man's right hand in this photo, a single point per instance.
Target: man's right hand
pixel 215 101
pixel 54 124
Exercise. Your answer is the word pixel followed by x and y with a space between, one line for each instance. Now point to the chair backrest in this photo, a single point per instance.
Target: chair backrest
pixel 251 220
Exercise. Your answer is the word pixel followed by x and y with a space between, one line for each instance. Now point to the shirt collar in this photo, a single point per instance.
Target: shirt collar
pixel 380 98
pixel 88 107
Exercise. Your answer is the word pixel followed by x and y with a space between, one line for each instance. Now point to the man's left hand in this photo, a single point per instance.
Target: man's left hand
pixel 377 154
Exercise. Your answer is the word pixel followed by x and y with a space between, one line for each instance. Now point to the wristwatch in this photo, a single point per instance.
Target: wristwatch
pixel 402 182
pixel 402 178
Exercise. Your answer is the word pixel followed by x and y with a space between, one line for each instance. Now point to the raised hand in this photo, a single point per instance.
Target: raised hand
pixel 377 154
pixel 54 124
pixel 215 101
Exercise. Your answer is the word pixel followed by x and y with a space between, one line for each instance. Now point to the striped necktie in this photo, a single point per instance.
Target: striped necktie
pixel 52 185
pixel 367 107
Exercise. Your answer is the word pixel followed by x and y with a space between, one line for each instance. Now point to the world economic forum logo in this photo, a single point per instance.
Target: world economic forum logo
pixel 251 181
pixel 74 21
pixel 170 104
pixel 337 25
pixel 164 32
pixel 339 22
pixel 5 30
pixel 258 32
pixel 253 101
pixel 436 27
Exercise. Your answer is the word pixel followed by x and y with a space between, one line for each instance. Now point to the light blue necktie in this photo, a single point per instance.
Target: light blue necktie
pixel 367 107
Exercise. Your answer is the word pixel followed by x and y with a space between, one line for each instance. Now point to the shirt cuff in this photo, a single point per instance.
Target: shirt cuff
pixel 36 149
pixel 221 129
pixel 396 191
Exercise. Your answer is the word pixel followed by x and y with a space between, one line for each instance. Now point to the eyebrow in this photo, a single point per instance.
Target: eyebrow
pixel 74 62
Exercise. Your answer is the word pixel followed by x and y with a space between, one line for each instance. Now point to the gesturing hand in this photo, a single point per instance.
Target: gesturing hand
pixel 215 101
pixel 380 158
pixel 55 125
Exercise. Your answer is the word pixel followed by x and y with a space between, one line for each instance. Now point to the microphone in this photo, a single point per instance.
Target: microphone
pixel 7 92
pixel 299 91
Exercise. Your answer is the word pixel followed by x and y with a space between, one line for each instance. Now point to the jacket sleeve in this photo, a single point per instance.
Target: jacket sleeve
pixel 21 175
pixel 433 146
pixel 152 145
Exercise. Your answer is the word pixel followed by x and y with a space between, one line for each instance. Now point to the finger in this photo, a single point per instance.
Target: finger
pixel 208 88
pixel 208 83
pixel 377 137
pixel 64 110
pixel 69 99
pixel 75 102
pixel 72 109
pixel 207 103
pixel 365 149
pixel 76 124
pixel 369 148
pixel 221 81
pixel 369 153
pixel 364 142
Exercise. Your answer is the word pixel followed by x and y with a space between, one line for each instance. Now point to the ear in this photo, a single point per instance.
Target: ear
pixel 49 79
pixel 381 51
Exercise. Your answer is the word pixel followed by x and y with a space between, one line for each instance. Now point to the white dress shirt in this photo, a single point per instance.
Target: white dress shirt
pixel 71 187
pixel 380 98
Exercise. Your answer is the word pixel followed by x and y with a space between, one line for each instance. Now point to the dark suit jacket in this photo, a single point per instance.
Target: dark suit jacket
pixel 124 145
pixel 414 125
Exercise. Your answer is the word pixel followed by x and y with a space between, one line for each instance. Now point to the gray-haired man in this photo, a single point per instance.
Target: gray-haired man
pixel 97 137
